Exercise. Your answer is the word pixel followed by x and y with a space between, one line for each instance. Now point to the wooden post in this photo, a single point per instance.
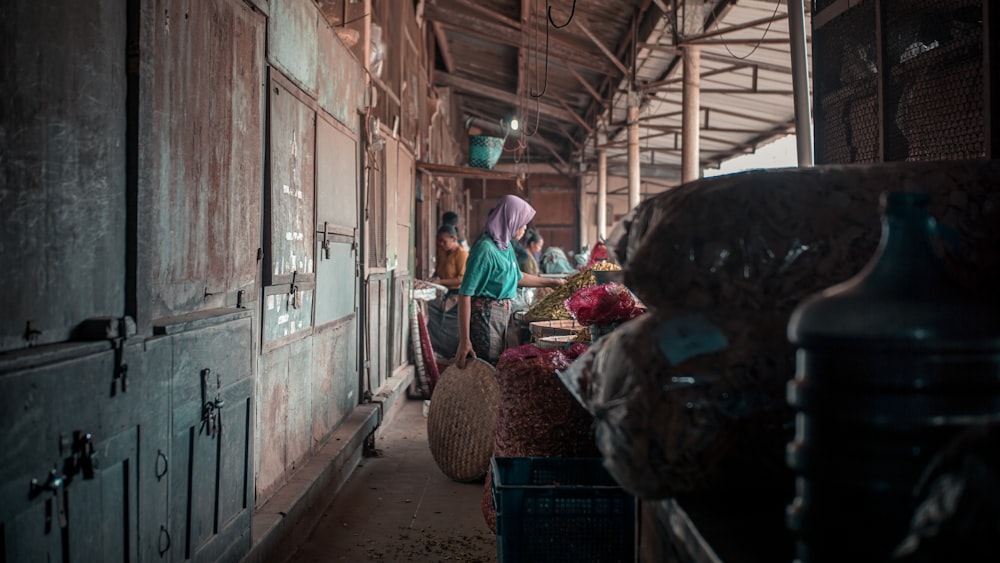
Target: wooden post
pixel 633 154
pixel 690 127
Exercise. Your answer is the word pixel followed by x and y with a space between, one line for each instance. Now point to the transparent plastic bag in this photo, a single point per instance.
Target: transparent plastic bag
pixel 683 403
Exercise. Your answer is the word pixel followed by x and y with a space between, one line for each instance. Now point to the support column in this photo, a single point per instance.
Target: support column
pixel 602 193
pixel 800 81
pixel 690 126
pixel 633 152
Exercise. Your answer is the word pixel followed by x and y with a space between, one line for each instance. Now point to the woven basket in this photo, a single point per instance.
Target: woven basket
pixel 462 420
pixel 559 327
pixel 484 151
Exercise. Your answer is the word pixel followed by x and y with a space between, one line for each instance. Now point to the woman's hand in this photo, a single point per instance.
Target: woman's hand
pixel 555 282
pixel 463 352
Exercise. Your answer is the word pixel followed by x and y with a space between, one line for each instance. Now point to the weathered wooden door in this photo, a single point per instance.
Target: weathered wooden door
pixel 211 406
pixel 62 169
pixel 83 459
pixel 336 386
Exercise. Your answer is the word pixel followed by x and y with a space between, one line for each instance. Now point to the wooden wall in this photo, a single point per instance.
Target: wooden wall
pixel 197 248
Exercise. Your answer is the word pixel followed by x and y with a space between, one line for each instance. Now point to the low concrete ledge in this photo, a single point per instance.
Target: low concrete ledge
pixel 288 517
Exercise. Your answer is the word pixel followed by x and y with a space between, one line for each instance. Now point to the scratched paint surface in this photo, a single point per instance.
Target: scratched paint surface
pixel 292 40
pixel 286 313
pixel 62 166
pixel 292 184
pixel 337 165
pixel 336 386
pixel 341 79
pixel 204 148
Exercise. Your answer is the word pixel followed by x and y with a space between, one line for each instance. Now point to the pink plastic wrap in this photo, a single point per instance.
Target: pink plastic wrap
pixel 602 305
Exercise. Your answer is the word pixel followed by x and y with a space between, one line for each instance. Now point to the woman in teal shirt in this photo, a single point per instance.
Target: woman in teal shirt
pixel 491 279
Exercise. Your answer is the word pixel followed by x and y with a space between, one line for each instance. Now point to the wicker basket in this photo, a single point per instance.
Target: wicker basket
pixel 559 342
pixel 484 151
pixel 560 327
pixel 462 420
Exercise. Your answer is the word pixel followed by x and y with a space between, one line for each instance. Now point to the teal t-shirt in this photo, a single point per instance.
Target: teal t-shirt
pixel 490 272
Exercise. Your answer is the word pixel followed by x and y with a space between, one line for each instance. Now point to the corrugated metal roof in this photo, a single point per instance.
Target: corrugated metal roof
pixel 506 57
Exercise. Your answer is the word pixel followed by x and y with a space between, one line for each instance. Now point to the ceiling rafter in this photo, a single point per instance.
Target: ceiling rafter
pixel 510 36
pixel 467 86
pixel 583 82
pixel 607 52
pixel 443 48
pixel 737 27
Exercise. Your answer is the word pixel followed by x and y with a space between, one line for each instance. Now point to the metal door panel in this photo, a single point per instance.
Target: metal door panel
pixel 378 331
pixel 292 189
pixel 336 283
pixel 272 390
pixel 285 315
pixel 62 173
pixel 292 40
pixel 341 79
pixel 44 407
pixel 225 349
pixel 298 430
pixel 337 160
pixel 210 482
pixel 24 543
pixel 235 454
pixel 335 380
pixel 202 152
pixel 400 323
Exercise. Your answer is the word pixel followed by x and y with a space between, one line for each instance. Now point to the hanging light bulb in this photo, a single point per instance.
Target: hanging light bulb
pixel 514 124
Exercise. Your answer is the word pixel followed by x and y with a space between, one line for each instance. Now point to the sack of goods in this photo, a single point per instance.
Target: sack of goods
pixel 691 394
pixel 537 416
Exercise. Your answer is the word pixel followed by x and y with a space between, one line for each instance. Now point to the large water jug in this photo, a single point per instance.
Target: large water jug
pixel 891 365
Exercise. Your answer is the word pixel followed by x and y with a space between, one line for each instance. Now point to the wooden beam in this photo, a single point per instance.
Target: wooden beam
pixel 764 41
pixel 463 171
pixel 572 112
pixel 442 41
pixel 467 86
pixel 586 85
pixel 607 52
pixel 491 14
pixel 569 136
pixel 510 36
pixel 729 29
pixel 522 51
pixel 718 58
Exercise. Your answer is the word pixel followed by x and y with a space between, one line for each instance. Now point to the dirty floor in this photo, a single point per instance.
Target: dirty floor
pixel 398 506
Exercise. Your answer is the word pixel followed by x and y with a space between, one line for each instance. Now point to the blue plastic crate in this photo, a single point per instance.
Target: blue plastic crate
pixel 557 509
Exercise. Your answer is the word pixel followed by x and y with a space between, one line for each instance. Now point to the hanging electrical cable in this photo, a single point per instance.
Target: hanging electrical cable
pixel 722 37
pixel 551 22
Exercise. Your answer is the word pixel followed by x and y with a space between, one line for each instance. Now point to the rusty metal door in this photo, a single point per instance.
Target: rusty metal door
pixel 200 155
pixel 62 170
pixel 83 460
pixel 211 394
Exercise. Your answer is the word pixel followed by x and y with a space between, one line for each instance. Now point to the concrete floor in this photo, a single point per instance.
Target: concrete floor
pixel 399 506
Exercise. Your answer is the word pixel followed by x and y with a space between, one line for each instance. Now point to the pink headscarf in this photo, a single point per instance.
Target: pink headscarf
pixel 510 214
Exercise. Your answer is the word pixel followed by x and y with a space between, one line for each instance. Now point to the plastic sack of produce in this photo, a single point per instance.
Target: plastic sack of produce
pixel 687 402
pixel 537 417
pixel 766 239
pixel 602 304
